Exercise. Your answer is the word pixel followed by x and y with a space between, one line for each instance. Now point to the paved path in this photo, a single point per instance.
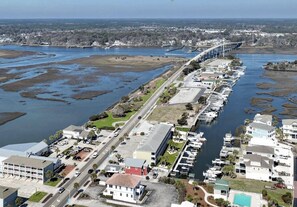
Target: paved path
pixel 206 195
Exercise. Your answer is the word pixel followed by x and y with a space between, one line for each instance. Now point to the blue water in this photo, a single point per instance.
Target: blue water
pixel 233 114
pixel 46 117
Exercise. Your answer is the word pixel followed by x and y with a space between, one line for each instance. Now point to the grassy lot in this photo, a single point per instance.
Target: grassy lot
pixel 173 157
pixel 53 183
pixel 167 113
pixel 108 121
pixel 257 186
pixel 183 129
pixel 36 197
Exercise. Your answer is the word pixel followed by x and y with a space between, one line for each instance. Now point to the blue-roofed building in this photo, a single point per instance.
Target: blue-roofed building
pixel 35 148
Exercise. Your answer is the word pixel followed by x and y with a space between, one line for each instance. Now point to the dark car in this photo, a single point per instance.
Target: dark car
pixel 90 171
pixel 67 157
pixel 61 190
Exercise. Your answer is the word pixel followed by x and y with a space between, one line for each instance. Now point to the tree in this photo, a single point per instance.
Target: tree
pixel 171 144
pixel 124 99
pixel 18 201
pixel 113 147
pixel 93 177
pixel 95 166
pixel 264 192
pixel 57 150
pixel 189 106
pixel 49 174
pixel 92 134
pixel 76 186
pixel 228 169
pixel 287 198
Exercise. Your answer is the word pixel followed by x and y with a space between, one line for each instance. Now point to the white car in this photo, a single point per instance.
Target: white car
pixel 77 173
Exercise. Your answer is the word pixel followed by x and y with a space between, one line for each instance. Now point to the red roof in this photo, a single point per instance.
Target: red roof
pixel 130 181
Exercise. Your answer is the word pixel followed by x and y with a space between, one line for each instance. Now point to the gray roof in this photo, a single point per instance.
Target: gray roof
pixel 28 161
pixel 289 121
pixel 84 134
pixel 152 142
pixel 112 168
pixel 262 126
pixel 264 161
pixel 260 149
pixel 263 118
pixel 74 128
pixel 133 162
pixel 33 147
pixel 6 191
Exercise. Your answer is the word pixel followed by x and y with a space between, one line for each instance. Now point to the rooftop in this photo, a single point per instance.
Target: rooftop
pixel 261 126
pixel 74 128
pixel 6 191
pixel 289 121
pixel 32 147
pixel 260 149
pixel 28 161
pixel 152 142
pixel 263 161
pixel 265 118
pixel 133 162
pixel 130 181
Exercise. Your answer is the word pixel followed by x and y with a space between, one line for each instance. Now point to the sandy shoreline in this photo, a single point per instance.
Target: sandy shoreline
pixel 11 54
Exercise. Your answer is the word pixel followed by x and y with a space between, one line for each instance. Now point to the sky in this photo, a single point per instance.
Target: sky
pixel 24 9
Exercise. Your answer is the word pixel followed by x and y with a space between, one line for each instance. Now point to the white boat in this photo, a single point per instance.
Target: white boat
pixel 196 145
pixel 218 162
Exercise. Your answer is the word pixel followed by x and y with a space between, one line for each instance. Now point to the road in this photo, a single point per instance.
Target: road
pixel 59 200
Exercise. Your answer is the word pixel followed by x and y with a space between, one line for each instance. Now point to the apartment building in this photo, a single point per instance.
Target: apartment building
pixel 290 129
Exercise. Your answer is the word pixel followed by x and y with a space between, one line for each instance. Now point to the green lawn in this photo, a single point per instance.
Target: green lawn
pixel 257 186
pixel 36 197
pixel 173 157
pixel 108 121
pixel 53 183
pixel 183 129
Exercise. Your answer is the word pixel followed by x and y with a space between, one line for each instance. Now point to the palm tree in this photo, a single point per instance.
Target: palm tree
pixel 93 177
pixel 57 150
pixel 49 174
pixel 171 144
pixel 95 166
pixel 18 201
pixel 76 186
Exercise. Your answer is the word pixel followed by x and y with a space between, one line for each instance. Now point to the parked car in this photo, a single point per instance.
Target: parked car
pixel 77 173
pixel 61 190
pixel 280 185
pixel 90 171
pixel 67 157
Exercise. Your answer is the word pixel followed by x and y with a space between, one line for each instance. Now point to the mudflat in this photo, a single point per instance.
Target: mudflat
pixel 11 54
pixel 114 63
pixel 265 50
pixel 9 116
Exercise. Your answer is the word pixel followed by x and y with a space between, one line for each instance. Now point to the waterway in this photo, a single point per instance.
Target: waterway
pixel 44 118
pixel 233 114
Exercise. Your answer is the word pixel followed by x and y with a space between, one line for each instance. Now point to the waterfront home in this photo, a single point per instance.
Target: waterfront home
pixel 262 150
pixel 221 189
pixel 32 148
pixel 124 187
pixel 154 145
pixel 26 168
pixel 257 167
pixel 136 166
pixel 263 119
pixel 8 196
pixel 75 132
pixel 290 129
pixel 260 130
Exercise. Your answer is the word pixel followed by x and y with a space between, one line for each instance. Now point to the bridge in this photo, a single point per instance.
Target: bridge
pixel 215 51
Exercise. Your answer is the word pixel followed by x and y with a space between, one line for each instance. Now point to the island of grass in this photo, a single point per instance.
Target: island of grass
pixel 126 108
pixel 37 197
pixel 53 182
pixel 282 66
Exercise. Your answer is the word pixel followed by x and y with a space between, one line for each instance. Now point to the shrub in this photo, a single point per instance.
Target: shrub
pixel 264 193
pixel 287 198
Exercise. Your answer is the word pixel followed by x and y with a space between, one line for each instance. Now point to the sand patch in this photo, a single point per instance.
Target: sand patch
pixel 9 116
pixel 11 54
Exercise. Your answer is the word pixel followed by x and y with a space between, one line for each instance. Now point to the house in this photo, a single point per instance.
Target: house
pixel 221 189
pixel 154 145
pixel 75 132
pixel 124 187
pixel 261 150
pixel 112 169
pixel 26 168
pixel 184 204
pixel 8 196
pixel 258 167
pixel 32 148
pixel 260 130
pixel 136 166
pixel 290 129
pixel 263 119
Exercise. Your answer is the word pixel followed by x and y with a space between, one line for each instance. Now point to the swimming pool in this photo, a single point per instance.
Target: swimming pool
pixel 242 200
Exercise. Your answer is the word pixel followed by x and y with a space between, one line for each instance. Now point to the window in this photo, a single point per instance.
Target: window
pixel 127 195
pixel 120 194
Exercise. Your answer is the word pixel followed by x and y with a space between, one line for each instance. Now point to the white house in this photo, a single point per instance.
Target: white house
pixel 258 167
pixel 290 129
pixel 124 187
pixel 262 150
pixel 75 132
pixel 221 189
pixel 260 130
pixel 263 119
